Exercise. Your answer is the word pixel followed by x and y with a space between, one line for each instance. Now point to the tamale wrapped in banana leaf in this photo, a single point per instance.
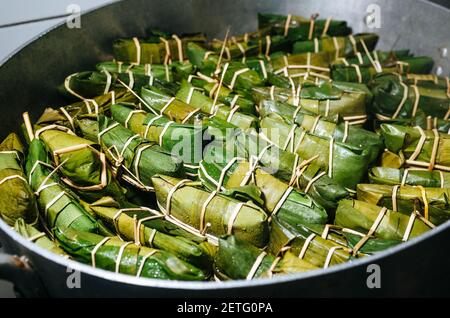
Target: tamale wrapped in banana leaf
pixel 302 173
pixel 394 99
pixel 58 206
pixel 413 177
pixel 419 148
pixel 39 238
pixel 278 198
pixel 160 71
pixel 206 61
pixel 305 244
pixel 17 200
pixel 338 46
pixel 303 64
pixel 82 165
pixel 343 132
pixel 237 76
pixel 237 259
pixel 379 222
pixel 158 48
pixel 210 212
pixel 432 203
pixel 225 95
pixel 167 134
pixel 192 96
pixel 113 254
pixel 148 227
pixel 140 158
pixel 345 163
pixel 297 28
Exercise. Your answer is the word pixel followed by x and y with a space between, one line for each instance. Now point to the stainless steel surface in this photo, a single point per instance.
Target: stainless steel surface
pixel 417 267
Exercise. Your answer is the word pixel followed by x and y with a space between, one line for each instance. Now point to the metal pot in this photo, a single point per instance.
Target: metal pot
pixel 28 80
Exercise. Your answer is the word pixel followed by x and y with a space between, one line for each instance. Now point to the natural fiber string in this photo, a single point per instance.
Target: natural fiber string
pixel 119 256
pixel 372 230
pixel 326 27
pixel 180 47
pixel 358 72
pixel 268 43
pixel 137 44
pixel 236 75
pixel 306 245
pixel 394 197
pixel 330 255
pixel 96 248
pixel 336 47
pixel 205 204
pixel 287 24
pixel 130 115
pixel 144 259
pixel 172 192
pixel 233 217
pixel 256 265
pixel 167 48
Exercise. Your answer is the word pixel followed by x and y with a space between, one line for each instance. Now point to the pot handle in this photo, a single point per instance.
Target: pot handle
pixel 18 271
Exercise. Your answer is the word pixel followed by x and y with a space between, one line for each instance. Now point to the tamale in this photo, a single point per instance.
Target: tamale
pixel 159 71
pixel 159 48
pixel 302 65
pixel 279 199
pixel 210 212
pixel 169 135
pixel 432 203
pixel 237 259
pixel 420 148
pixel 39 238
pixel 307 245
pixel 413 177
pixel 113 254
pixel 17 200
pixel 298 28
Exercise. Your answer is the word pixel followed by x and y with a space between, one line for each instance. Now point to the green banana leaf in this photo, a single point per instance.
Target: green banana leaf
pixel 278 197
pixel 65 211
pixel 282 164
pixel 131 259
pixel 224 214
pixel 345 163
pixel 405 141
pixel 421 120
pixel 147 227
pixel 436 208
pixel 342 48
pixel 17 200
pixel 414 177
pixel 153 49
pixel 355 136
pixel 284 235
pixel 140 158
pixel 360 216
pixel 196 99
pixel 389 102
pixel 299 27
pixel 39 238
pixel 303 64
pixel 159 71
pixel 83 166
pixel 237 259
pixel 169 136
pixel 238 76
pixel 206 61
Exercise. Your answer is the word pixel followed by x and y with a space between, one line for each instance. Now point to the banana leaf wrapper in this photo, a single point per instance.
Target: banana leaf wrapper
pixel 198 208
pixel 198 100
pixel 278 198
pixel 394 99
pixel 283 165
pixel 237 259
pixel 140 158
pixel 125 257
pixel 324 100
pixel 421 120
pixel 159 71
pixel 348 134
pixel 303 65
pixel 345 163
pixel 378 222
pixel 160 102
pixel 297 28
pixel 338 46
pixel 39 238
pixel 82 165
pixel 59 208
pixel 418 147
pixel 305 244
pixel 17 199
pixel 89 84
pixel 432 203
pixel 157 49
pixel 413 177
pixel 148 227
pixel 237 76
pixel 168 135
pixel 226 96
pixel 204 60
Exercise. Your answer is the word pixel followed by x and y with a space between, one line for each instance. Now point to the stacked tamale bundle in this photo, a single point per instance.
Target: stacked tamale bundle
pixel 295 147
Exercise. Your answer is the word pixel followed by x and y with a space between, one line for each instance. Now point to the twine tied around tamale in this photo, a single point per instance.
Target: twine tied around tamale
pixel 287 24
pixel 13 177
pixel 330 254
pixel 394 197
pixel 236 75
pixel 137 45
pixel 447 80
pixel 167 48
pixel 358 72
pixel 316 45
pixel 432 164
pixel 205 204
pixel 69 118
pixel 353 43
pixel 374 63
pixel 268 43
pixel 336 47
pixel 372 230
pixel 217 93
pixel 144 259
pixel 403 100
pixel 96 248
pixel 137 96
pixel 256 265
pixel 306 245
pixel 263 69
pixel 360 58
pixel 312 23
pixel 36 237
pixel 401 67
pixel 130 115
pixel 179 46
pixel 240 47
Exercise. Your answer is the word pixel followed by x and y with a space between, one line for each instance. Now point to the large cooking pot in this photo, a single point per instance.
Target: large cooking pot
pixel 28 80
